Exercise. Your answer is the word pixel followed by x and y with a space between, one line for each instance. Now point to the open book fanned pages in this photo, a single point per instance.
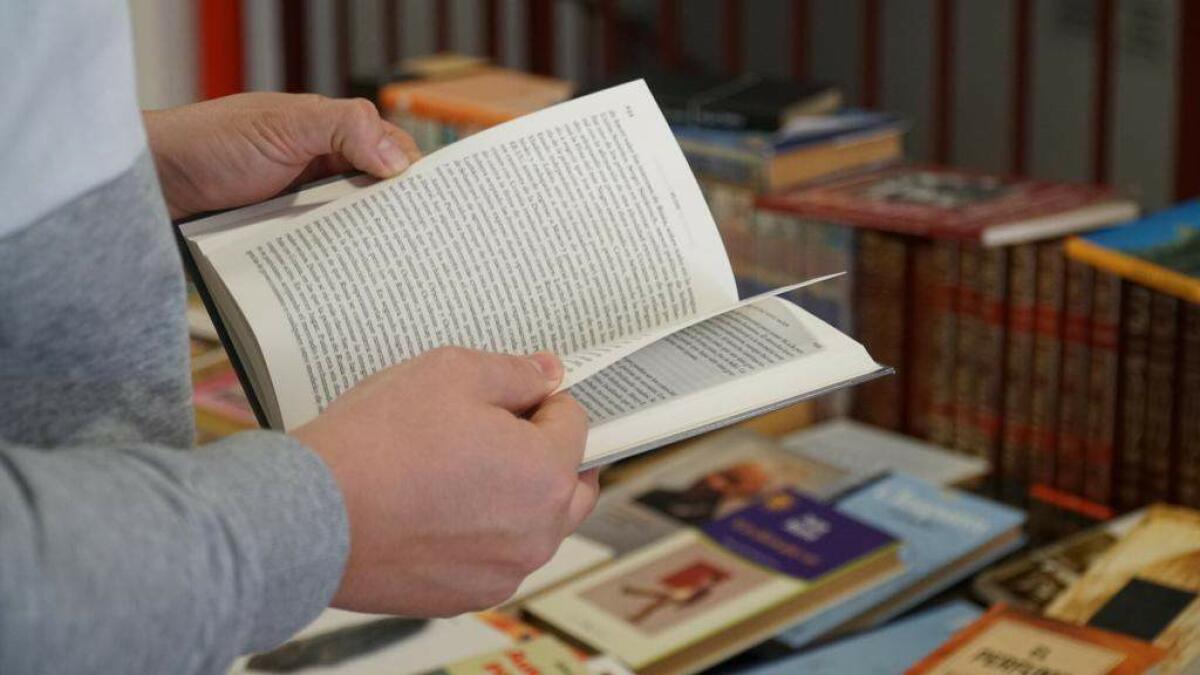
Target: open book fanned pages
pixel 578 229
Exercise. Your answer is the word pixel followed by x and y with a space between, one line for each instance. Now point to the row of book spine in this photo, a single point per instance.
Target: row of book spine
pixel 1062 375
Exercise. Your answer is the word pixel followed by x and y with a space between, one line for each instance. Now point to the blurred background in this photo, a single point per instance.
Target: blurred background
pixel 1086 90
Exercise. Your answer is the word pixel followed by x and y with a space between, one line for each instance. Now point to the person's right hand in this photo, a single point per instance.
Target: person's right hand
pixel 454 491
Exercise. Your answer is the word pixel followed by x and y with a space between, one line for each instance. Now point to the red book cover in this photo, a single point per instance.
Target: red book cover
pixel 1103 378
pixel 942 202
pixel 1072 403
pixel 1047 359
pixel 1135 338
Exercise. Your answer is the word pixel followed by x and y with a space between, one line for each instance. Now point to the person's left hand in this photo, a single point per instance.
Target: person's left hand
pixel 241 149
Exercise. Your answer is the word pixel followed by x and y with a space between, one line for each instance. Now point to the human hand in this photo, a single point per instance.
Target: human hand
pixel 453 494
pixel 242 149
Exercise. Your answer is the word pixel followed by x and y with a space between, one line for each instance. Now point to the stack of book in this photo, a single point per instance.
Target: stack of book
pixel 463 100
pixel 958 278
pixel 1141 427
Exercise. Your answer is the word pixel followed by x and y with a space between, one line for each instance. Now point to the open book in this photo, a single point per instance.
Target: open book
pixel 578 229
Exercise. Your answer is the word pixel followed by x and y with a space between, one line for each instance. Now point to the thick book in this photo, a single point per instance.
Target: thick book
pixel 696 598
pixel 1103 380
pixel 578 229
pixel 883 651
pixel 809 149
pixel 947 534
pixel 1147 586
pixel 1006 640
pixel 1160 251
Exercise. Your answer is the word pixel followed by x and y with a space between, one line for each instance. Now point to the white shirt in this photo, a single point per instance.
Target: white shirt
pixel 69 120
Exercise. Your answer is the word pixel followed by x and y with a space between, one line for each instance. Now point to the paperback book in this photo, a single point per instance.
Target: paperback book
pixel 577 229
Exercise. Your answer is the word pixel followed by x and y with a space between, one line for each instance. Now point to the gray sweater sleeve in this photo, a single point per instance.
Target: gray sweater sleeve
pixel 148 559
pixel 121 550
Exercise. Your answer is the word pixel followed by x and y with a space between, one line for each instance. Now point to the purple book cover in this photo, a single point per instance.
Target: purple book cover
pixel 796 535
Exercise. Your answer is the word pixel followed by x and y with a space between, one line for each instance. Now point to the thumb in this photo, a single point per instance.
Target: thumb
pixel 353 129
pixel 517 383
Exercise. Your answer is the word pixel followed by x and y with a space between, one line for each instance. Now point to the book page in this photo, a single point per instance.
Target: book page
pixel 563 231
pixel 736 361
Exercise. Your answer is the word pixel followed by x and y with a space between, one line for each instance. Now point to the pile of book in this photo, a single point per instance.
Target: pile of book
pixel 442 98
pixel 1143 427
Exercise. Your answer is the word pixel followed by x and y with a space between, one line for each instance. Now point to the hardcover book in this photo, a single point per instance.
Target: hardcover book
pixel 685 603
pixel 577 229
pixel 1009 641
pixel 1147 585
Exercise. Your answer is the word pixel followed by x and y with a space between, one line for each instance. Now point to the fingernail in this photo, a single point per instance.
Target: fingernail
pixel 392 155
pixel 550 366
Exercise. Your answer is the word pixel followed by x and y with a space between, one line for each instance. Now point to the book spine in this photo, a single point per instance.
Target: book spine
pixel 879 315
pixel 921 358
pixel 967 360
pixel 989 370
pixel 1188 420
pixel 944 322
pixel 1047 358
pixel 1018 376
pixel 1072 403
pixel 1160 395
pixel 1135 338
pixel 1103 379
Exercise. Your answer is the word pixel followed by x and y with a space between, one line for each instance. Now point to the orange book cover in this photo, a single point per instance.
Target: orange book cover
pixel 485 98
pixel 1006 640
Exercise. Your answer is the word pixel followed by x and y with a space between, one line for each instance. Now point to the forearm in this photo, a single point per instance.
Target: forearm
pixel 155 560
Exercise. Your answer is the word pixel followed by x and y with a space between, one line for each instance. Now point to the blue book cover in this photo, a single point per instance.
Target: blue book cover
pixel 805 131
pixel 936 525
pixel 797 535
pixel 884 651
